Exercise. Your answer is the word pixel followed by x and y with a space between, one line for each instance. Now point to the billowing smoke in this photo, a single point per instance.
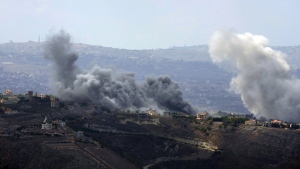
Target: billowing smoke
pixel 264 78
pixel 112 89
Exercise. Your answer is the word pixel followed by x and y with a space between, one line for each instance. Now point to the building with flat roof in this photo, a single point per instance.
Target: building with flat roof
pixel 46 126
pixel 202 116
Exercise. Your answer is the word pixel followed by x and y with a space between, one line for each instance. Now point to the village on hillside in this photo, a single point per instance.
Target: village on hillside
pixel 45 105
pixel 87 130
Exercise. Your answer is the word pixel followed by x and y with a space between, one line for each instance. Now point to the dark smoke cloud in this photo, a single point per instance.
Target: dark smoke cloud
pixel 264 80
pixel 112 89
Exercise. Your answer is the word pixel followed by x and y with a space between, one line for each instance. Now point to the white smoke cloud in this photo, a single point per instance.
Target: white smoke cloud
pixel 112 89
pixel 264 79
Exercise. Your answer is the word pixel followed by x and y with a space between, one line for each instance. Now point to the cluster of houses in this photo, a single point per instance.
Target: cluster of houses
pixel 144 115
pixel 272 123
pixel 8 97
pixel 252 120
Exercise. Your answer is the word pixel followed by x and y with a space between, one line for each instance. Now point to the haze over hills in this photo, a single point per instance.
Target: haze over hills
pixel 204 84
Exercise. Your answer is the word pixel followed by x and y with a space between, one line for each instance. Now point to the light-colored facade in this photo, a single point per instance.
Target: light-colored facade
pixel 46 126
pixel 8 93
pixel 41 95
pixel 152 112
pixel 202 116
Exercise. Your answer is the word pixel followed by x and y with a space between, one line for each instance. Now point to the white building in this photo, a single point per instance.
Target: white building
pixel 41 95
pixel 202 116
pixel 46 126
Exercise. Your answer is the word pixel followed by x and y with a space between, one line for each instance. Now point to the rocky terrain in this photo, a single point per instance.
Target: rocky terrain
pixel 253 147
pixel 32 154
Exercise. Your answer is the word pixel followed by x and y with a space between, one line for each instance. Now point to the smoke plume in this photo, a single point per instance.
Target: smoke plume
pixel 264 78
pixel 110 88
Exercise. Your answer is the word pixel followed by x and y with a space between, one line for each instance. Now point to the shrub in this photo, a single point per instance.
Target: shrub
pixel 203 130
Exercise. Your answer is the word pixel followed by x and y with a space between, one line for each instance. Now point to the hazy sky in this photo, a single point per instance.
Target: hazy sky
pixel 148 24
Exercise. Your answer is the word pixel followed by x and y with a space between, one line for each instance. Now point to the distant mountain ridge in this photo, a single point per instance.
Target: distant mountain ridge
pixel 190 53
pixel 184 53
